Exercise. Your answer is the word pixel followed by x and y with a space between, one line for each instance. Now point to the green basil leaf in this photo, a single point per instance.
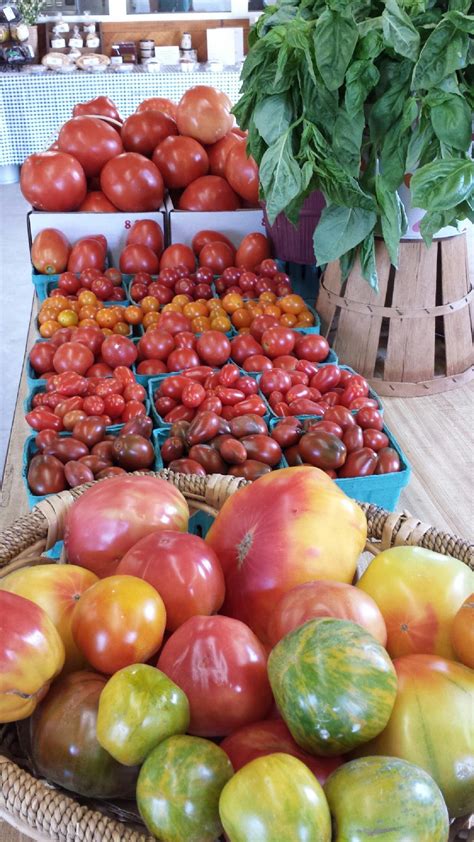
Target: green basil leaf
pixel 444 52
pixel 335 38
pixel 409 114
pixel 451 121
pixel 367 262
pixel 339 230
pixel 346 263
pixel 342 189
pixel 463 22
pixel 361 78
pixel 388 107
pixel 399 32
pixel 256 147
pixel 244 108
pixel 393 217
pixel 280 176
pixel 393 156
pixel 370 45
pixel 432 222
pixel 368 26
pixel 347 140
pixel 320 105
pixel 292 212
pixel 461 5
pixel 272 117
pixel 442 185
pixel 420 139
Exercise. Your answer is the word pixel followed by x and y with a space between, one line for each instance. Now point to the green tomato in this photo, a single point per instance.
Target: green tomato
pixel 178 789
pixel 139 707
pixel 275 798
pixel 386 797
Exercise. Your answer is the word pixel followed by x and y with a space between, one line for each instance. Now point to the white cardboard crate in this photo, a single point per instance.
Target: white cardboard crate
pixel 183 225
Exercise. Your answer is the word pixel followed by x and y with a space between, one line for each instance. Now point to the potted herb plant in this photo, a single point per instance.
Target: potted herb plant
pixel 348 97
pixel 30 11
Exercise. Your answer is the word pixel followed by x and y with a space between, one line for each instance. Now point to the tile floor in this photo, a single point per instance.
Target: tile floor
pixel 16 295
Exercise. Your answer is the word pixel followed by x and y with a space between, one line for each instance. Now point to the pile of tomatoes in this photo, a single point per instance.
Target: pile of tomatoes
pixel 89 453
pixel 100 163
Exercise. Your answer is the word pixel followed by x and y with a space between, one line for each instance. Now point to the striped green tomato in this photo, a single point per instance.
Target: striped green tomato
pixel 386 797
pixel 275 798
pixel 178 789
pixel 334 684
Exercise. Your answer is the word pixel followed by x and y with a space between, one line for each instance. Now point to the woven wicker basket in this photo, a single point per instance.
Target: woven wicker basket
pixel 44 812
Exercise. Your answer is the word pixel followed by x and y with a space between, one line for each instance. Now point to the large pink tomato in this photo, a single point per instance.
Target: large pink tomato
pixel 205 114
pixel 132 183
pixel 222 667
pixel 109 518
pixel 184 570
pixel 431 725
pixel 92 141
pixel 325 599
pixel 31 655
pixel 289 527
pixel 268 737
pixel 53 181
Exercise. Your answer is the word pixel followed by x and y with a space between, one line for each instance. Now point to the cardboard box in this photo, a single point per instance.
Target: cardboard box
pixel 183 225
pixel 115 226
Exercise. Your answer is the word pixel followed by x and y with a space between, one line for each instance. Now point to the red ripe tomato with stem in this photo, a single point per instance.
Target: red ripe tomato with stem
pixel 50 251
pixel 180 160
pixel 221 666
pixel 53 181
pixel 183 569
pixel 144 130
pixel 132 183
pixel 91 141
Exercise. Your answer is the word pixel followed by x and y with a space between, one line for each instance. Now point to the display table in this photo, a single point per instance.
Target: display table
pixel 33 108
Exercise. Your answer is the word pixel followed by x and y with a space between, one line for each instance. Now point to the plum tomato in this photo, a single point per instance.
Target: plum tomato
pixel 213 347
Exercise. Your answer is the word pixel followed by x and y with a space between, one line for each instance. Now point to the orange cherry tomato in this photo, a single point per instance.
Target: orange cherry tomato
pixel 200 324
pixel 242 317
pixel 222 323
pixel 182 300
pixel 88 323
pixel 49 328
pixel 150 304
pixel 87 297
pixel 87 312
pixel 194 309
pixel 232 302
pixel 133 315
pixel 106 317
pixel 267 297
pixel 122 328
pixel 67 318
pixel 288 320
pixel 150 319
pixel 272 310
pixel 292 304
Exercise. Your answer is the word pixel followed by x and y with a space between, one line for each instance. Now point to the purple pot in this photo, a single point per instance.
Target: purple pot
pixel 296 244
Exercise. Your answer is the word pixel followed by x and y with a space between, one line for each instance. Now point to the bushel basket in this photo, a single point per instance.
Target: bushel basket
pixel 44 812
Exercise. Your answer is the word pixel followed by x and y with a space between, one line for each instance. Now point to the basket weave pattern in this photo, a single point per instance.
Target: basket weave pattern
pixel 45 813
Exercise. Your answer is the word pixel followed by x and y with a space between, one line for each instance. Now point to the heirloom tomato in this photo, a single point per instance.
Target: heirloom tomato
pixel 180 160
pixel 241 171
pixel 325 599
pixel 275 798
pixel 56 588
pixel 50 251
pixel 144 130
pixel 431 726
pixel 213 347
pixel 383 793
pixel 269 737
pixel 209 193
pixel 118 513
pixel 31 655
pixel 132 183
pixel 139 707
pixel 53 181
pixel 91 141
pixel 291 526
pixel 462 632
pixel 217 257
pixel 46 475
pixel 334 685
pixel 222 667
pixel 219 151
pixel 418 593
pixel 119 621
pixel 205 114
pixel 101 106
pixel 158 103
pixel 178 789
pixel 62 742
pixel 184 570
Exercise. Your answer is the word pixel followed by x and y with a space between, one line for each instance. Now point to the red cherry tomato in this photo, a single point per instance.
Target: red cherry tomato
pixel 369 418
pixel 359 463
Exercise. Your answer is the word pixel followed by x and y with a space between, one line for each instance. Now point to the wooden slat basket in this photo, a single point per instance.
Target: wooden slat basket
pixel 414 337
pixel 44 812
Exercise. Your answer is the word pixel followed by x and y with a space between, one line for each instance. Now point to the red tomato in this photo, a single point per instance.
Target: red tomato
pixel 41 357
pixel 97 202
pixel 369 419
pixel 374 439
pixel 175 323
pixel 312 347
pixel 73 356
pixel 241 171
pixel 217 256
pixel 252 250
pixel 138 258
pixel 244 346
pixel 326 378
pixel 101 105
pixel 50 251
pixel 193 395
pixel 221 666
pixel 229 375
pixel 388 461
pixel 144 130
pixel 209 193
pixel 132 183
pixel 180 160
pixel 86 254
pixel 91 141
pixel 146 504
pixel 118 350
pixel 158 103
pixel 178 255
pixel 262 323
pixel 156 345
pixel 277 341
pixel 42 418
pixel 213 347
pixel 341 416
pixel 359 463
pixel 182 358
pixel 270 737
pixel 183 569
pixel 201 239
pixel 117 622
pixel 152 367
pixel 219 151
pixel 146 232
pixel 257 362
pixel 53 181
pixel 325 599
pixel 353 438
pixel 205 114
